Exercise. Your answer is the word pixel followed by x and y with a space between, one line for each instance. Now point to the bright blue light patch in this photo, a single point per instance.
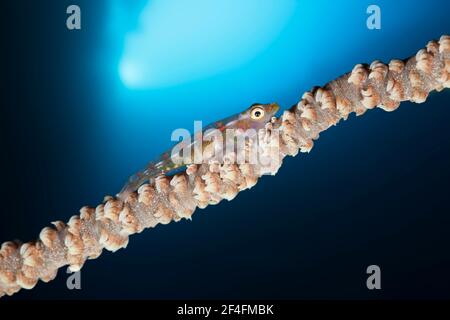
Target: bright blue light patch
pixel 180 41
pixel 130 74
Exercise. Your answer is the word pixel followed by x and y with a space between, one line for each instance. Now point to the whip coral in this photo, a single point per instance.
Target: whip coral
pixel 171 198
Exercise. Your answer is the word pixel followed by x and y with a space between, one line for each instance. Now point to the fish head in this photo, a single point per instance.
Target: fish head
pixel 258 114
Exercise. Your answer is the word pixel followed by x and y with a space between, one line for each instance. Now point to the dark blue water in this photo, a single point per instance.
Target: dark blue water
pixel 374 190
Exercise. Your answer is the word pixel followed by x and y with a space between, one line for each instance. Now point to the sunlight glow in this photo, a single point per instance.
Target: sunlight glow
pixel 180 41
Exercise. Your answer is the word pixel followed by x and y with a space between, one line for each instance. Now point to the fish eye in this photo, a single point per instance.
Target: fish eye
pixel 257 113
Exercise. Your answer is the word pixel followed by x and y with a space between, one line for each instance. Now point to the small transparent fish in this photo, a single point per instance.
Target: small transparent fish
pixel 255 117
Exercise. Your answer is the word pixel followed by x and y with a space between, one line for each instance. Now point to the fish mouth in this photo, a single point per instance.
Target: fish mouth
pixel 274 107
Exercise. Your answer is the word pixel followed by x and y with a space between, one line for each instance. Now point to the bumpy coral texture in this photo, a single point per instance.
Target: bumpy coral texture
pixel 109 225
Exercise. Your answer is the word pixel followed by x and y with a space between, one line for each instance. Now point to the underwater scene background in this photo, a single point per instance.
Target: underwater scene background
pixel 85 109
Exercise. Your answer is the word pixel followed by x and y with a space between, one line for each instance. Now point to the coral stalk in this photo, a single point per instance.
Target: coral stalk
pixel 109 225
